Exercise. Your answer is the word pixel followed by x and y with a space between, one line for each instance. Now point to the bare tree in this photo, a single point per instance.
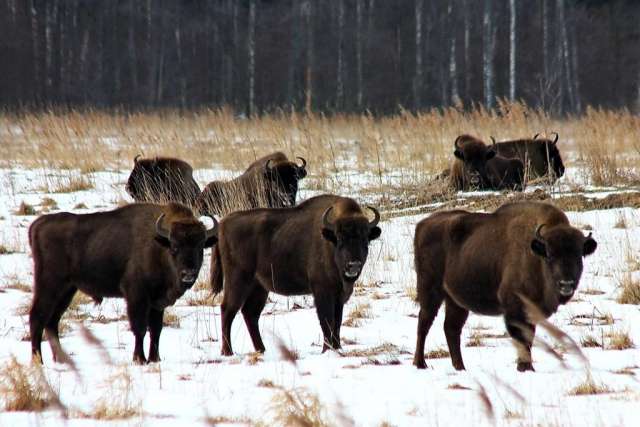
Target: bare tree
pixel 340 71
pixel 251 48
pixel 512 50
pixel 453 73
pixel 308 13
pixel 418 82
pixel 359 6
pixel 487 62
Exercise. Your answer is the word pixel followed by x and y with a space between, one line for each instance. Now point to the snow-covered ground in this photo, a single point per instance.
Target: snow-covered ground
pixel 371 382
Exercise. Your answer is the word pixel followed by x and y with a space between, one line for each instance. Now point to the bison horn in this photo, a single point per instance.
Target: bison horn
pixel 456 142
pixel 536 136
pixel 304 162
pixel 556 138
pixel 160 230
pixel 494 140
pixel 325 219
pixel 376 216
pixel 135 159
pixel 213 231
pixel 537 233
pixel 267 165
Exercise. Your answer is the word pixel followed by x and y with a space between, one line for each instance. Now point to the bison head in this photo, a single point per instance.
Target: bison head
pixel 350 236
pixel 185 241
pixel 562 248
pixel 140 183
pixel 284 177
pixel 474 155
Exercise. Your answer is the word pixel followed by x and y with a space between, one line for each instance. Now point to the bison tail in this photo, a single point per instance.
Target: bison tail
pixel 216 271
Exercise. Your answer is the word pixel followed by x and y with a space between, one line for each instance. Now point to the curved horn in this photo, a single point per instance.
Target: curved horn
pixel 494 140
pixel 537 233
pixel 304 162
pixel 160 230
pixel 267 167
pixel 556 138
pixel 135 159
pixel 456 142
pixel 536 136
pixel 376 218
pixel 213 231
pixel 325 219
pixel 590 233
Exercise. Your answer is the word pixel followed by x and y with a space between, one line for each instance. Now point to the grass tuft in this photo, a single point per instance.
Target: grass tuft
pixel 25 209
pixel 630 290
pixel 589 387
pixel 25 388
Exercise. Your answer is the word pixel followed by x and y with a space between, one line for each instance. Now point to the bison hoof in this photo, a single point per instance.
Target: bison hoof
pixel 154 359
pixel 525 366
pixel 420 364
pixel 139 360
pixel 226 352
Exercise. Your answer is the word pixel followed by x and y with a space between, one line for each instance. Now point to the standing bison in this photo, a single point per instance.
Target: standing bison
pixel 162 180
pixel 147 254
pixel 271 181
pixel 478 167
pixel 541 157
pixel 491 264
pixel 318 247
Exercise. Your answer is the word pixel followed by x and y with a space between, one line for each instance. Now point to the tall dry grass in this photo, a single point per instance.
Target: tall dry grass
pixel 398 151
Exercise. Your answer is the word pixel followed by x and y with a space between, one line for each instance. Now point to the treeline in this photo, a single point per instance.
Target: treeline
pixel 340 55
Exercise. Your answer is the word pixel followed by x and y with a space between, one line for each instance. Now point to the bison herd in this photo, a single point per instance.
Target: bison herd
pixel 150 252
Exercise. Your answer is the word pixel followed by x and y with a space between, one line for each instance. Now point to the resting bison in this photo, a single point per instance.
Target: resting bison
pixel 477 167
pixel 490 264
pixel 271 181
pixel 318 247
pixel 541 156
pixel 162 180
pixel 147 254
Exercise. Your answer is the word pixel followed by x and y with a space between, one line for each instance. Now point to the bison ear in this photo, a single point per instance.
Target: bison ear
pixel 589 247
pixel 329 235
pixel 458 154
pixel 539 248
pixel 374 233
pixel 490 154
pixel 302 172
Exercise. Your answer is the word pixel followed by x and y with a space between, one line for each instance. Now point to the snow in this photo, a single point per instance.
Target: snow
pixel 194 382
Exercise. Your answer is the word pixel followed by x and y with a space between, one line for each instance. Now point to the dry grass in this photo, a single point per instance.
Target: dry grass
pixel 298 407
pixel 589 387
pixel 254 358
pixel 619 340
pixel 25 209
pixel 629 290
pixel 119 403
pixel 13 282
pixel 589 341
pixel 456 386
pixel 171 319
pixel 265 383
pixel 357 314
pixel 439 353
pixel 4 250
pixel 221 419
pixel 383 348
pixel 475 340
pixel 25 388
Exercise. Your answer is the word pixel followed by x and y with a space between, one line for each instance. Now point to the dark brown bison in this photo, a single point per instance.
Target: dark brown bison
pixel 540 156
pixel 477 167
pixel 491 264
pixel 147 254
pixel 271 181
pixel 162 180
pixel 318 247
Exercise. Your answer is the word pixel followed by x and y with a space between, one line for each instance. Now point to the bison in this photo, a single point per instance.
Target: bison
pixel 494 264
pixel 540 156
pixel 318 247
pixel 145 253
pixel 162 180
pixel 271 181
pixel 478 167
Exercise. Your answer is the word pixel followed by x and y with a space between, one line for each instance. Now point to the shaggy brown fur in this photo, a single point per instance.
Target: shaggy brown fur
pixel 271 181
pixel 162 180
pixel 477 167
pixel 541 156
pixel 318 247
pixel 147 254
pixel 485 263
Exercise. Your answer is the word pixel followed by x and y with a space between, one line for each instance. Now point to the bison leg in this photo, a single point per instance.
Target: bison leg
pixel 52 324
pixel 155 328
pixel 325 308
pixel 337 324
pixel 46 299
pixel 429 306
pixel 522 333
pixel 138 312
pixel 455 317
pixel 251 310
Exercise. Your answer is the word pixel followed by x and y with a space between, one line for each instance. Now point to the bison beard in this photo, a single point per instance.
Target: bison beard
pixel 493 264
pixel 318 247
pixel 147 254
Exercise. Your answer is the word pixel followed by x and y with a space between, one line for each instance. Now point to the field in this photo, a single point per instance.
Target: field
pixel 79 162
